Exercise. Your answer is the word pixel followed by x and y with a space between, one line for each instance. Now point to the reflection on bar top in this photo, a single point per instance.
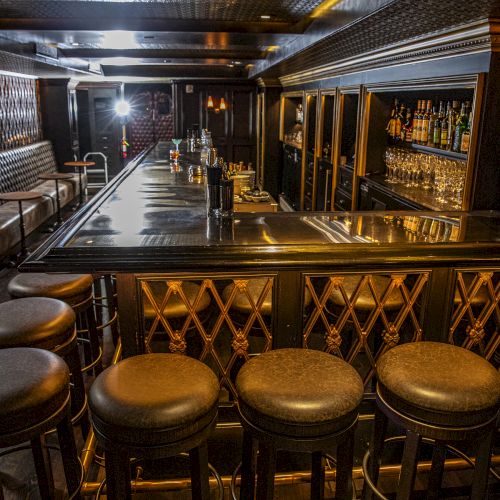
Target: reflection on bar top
pixel 154 206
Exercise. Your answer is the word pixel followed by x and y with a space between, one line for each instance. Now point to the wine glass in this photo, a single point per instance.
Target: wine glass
pixel 177 142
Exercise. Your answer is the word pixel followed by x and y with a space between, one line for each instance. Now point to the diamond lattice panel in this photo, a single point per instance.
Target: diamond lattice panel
pixel 225 10
pixel 221 322
pixel 476 316
pixel 359 317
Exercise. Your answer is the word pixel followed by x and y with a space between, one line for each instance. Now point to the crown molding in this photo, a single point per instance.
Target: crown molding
pixel 476 37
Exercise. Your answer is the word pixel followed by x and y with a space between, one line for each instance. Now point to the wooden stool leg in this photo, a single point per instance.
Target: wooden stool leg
pixel 345 462
pixel 117 474
pixel 43 467
pixel 200 485
pixel 483 459
pixel 78 399
pixel 376 449
pixel 317 476
pixel 408 466
pixel 266 468
pixel 248 467
pixel 437 469
pixel 71 464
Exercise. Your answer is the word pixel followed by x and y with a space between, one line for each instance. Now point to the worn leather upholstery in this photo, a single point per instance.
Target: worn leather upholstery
pixel 153 399
pixel 365 301
pixel 175 307
pixel 34 385
pixel 19 171
pixel 254 288
pixel 299 392
pixel 70 288
pixel 439 383
pixel 36 322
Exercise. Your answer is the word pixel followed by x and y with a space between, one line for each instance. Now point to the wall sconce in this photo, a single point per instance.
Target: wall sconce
pixel 212 104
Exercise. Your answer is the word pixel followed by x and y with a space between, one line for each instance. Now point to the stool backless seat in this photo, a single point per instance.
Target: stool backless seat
pixel 435 391
pixel 35 398
pixel 297 400
pixel 154 406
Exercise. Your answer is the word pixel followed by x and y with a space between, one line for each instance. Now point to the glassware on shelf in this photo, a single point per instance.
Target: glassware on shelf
pixel 177 142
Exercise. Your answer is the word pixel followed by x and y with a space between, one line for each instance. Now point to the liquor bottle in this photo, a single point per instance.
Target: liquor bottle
pixel 424 134
pixel 408 128
pixel 460 127
pixel 399 122
pixel 452 121
pixel 417 127
pixel 444 127
pixel 465 142
pixel 391 123
pixel 432 124
pixel 436 137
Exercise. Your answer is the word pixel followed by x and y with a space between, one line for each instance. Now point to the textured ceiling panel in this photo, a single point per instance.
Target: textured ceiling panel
pixel 401 20
pixel 228 10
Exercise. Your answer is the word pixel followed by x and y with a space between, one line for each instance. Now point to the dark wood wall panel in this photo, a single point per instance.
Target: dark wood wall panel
pixel 19 112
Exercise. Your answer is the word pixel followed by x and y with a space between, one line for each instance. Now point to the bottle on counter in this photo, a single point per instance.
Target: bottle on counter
pixel 418 123
pixel 391 123
pixel 436 136
pixel 407 130
pixel 452 121
pixel 460 126
pixel 399 123
pixel 426 116
pixel 445 126
pixel 465 143
pixel 432 124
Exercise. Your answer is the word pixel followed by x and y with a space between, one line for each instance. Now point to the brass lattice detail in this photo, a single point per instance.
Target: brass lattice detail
pixel 208 325
pixel 476 315
pixel 387 325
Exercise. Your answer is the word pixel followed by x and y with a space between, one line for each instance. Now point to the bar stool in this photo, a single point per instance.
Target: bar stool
pixel 298 400
pixel 438 392
pixel 47 324
pixel 76 291
pixel 154 406
pixel 34 398
pixel 106 300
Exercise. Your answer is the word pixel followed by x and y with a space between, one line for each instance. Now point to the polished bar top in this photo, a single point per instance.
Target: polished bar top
pixel 154 214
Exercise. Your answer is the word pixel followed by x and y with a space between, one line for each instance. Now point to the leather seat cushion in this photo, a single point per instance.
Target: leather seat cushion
pixel 36 322
pixel 439 383
pixel 71 288
pixel 154 399
pixel 299 392
pixel 254 289
pixel 175 307
pixel 365 301
pixel 34 385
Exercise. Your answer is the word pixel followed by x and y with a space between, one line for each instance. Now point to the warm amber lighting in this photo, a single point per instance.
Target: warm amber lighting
pixel 210 102
pixel 222 104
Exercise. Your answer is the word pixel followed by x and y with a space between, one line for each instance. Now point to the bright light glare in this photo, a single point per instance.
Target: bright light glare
pixel 119 39
pixel 122 108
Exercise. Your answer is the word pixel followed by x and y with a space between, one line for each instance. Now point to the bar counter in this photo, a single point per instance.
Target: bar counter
pixel 149 228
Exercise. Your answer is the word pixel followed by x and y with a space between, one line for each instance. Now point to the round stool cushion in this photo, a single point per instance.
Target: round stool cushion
pixel 299 392
pixel 71 288
pixel 254 289
pixel 439 383
pixel 154 399
pixel 34 385
pixel 36 322
pixel 175 307
pixel 365 301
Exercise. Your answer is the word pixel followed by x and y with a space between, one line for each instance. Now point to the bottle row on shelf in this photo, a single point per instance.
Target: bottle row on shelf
pixel 442 128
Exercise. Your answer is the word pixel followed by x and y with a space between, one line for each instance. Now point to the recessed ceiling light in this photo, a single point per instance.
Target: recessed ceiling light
pixel 75 44
pixel 265 16
pixel 230 65
pixel 236 62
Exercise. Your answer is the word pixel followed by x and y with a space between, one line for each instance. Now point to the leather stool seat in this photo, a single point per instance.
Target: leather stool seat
pixel 298 400
pixel 299 392
pixel 35 385
pixel 36 322
pixel 175 307
pixel 154 406
pixel 365 301
pixel 70 288
pixel 457 387
pixel 154 399
pixel 35 398
pixel 254 289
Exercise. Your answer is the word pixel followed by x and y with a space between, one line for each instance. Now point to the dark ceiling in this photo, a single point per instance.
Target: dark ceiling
pixel 210 38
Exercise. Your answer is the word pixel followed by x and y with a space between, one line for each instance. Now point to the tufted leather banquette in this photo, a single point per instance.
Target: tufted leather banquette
pixel 19 171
